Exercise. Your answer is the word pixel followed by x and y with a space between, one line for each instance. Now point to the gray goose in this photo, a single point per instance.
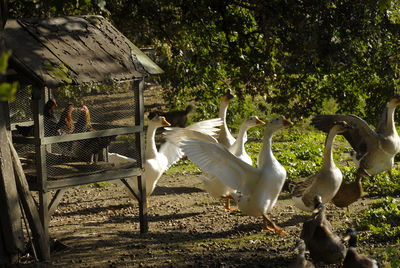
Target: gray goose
pixel 374 149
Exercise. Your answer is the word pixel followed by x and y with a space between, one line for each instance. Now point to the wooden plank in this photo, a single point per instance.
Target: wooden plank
pixel 106 176
pixel 40 239
pixel 10 216
pixel 88 135
pixel 55 200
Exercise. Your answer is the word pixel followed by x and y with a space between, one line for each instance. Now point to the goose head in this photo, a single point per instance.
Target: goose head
pixel 394 101
pixel 278 123
pixel 228 96
pixel 159 121
pixel 341 127
pixel 351 236
pixel 253 121
pixel 318 205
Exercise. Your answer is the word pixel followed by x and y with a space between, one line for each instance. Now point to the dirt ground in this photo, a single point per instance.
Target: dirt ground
pixel 187 228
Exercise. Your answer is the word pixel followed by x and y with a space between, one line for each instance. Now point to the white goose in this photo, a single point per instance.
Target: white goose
pixel 215 187
pixel 157 162
pixel 225 137
pixel 375 150
pixel 212 184
pixel 259 187
pixel 327 180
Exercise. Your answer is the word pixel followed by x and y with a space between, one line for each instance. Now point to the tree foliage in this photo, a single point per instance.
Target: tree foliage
pixel 297 54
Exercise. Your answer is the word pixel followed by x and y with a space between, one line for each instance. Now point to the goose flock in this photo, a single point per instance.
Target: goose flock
pixel 230 174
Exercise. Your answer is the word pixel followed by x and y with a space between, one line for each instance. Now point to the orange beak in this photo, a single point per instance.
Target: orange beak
pixel 286 122
pixel 164 122
pixel 259 122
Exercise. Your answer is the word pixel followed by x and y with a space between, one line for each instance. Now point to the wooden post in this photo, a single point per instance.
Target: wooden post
pixel 10 215
pixel 40 240
pixel 138 86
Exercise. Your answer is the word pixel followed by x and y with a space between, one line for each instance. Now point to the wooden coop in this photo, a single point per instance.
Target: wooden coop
pixel 88 67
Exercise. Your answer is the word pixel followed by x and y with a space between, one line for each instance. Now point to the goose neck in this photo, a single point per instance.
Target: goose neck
pixel 390 119
pixel 241 137
pixel 151 149
pixel 266 150
pixel 328 156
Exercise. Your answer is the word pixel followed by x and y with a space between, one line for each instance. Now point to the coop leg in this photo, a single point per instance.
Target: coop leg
pixel 44 214
pixel 144 225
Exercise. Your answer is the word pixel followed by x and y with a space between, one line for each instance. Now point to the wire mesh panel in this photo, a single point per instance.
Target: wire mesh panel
pixel 21 112
pixel 87 130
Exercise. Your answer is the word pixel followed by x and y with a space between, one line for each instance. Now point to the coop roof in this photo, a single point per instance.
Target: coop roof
pixel 74 50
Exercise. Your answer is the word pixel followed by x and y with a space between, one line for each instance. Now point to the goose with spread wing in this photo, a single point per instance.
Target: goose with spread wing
pixel 215 187
pixel 327 180
pixel 157 162
pixel 258 188
pixel 374 149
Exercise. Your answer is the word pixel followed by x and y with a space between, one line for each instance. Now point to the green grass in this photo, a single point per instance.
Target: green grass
pixel 382 218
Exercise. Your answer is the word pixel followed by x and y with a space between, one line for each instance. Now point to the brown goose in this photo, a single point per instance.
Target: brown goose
pixel 324 245
pixel 348 193
pixel 374 149
pixel 177 118
pixel 327 180
pixel 354 259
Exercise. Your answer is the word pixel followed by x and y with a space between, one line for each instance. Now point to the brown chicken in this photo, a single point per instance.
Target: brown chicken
pixel 66 124
pixel 88 149
pixel 175 118
pixel 83 124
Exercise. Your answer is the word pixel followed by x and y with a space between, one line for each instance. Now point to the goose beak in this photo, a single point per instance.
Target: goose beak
pixel 286 122
pixel 346 238
pixel 259 122
pixel 164 122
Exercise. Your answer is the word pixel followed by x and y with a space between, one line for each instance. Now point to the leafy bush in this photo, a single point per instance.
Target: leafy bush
pixel 382 218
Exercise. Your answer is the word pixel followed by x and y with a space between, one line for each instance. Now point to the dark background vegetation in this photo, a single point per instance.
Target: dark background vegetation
pixel 297 55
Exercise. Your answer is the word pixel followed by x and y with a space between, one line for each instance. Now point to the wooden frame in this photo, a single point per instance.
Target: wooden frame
pixel 47 204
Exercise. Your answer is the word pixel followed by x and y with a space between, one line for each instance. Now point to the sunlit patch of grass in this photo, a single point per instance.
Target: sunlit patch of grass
pixel 183 166
pixel 382 218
